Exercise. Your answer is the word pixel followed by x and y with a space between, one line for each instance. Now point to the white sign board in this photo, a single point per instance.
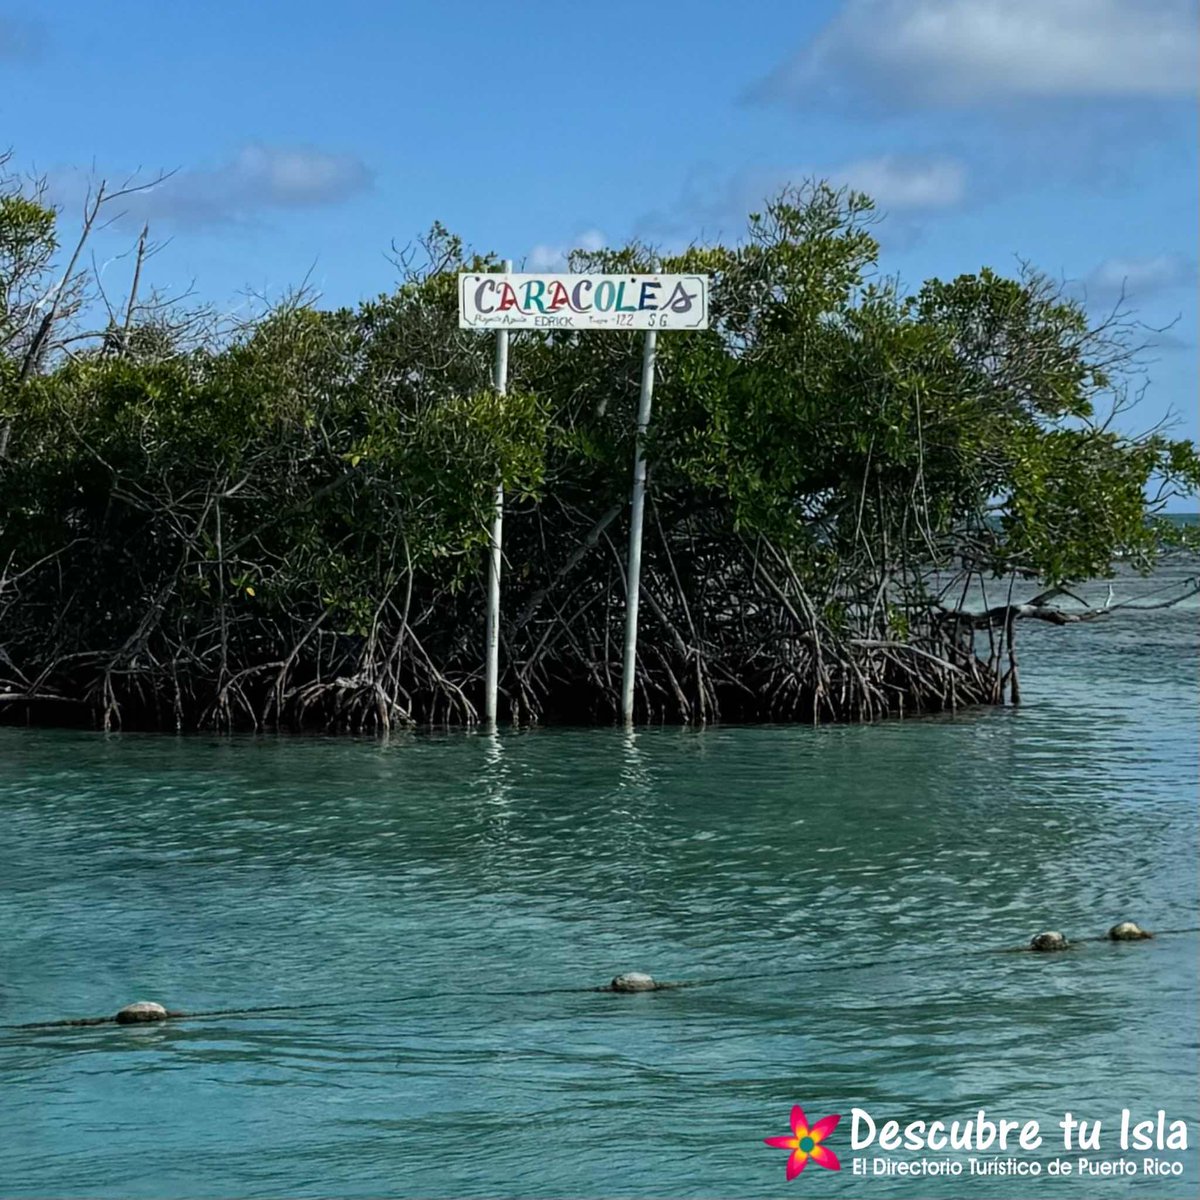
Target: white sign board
pixel 503 301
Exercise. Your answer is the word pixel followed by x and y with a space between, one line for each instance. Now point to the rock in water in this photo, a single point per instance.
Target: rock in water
pixel 633 981
pixel 141 1010
pixel 1128 931
pixel 1045 942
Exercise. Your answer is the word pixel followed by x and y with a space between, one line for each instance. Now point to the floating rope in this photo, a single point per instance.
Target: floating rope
pixel 633 983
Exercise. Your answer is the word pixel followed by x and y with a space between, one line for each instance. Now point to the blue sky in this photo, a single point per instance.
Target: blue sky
pixel 307 137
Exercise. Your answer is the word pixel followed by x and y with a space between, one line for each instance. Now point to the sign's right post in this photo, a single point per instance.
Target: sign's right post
pixel 633 571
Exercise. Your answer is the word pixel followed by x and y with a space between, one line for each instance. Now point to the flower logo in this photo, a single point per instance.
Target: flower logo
pixel 806 1142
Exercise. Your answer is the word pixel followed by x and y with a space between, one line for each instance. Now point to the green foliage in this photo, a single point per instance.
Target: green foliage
pixel 338 468
pixel 1078 497
pixel 28 243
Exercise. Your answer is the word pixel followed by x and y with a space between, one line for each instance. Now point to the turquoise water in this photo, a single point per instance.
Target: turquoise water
pixel 838 893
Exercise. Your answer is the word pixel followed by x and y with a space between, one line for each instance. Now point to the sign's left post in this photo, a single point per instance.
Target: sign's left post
pixel 495 548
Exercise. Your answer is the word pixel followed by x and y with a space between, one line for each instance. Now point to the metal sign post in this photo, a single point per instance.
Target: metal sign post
pixel 565 302
pixel 495 549
pixel 633 571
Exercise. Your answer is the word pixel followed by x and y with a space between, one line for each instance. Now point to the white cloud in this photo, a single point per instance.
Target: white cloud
pixel 1138 278
pixel 962 53
pixel 904 183
pixel 715 205
pixel 257 178
pixel 547 257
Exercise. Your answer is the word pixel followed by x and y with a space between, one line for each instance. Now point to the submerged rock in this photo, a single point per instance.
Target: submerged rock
pixel 1051 940
pixel 139 1011
pixel 1128 931
pixel 633 981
